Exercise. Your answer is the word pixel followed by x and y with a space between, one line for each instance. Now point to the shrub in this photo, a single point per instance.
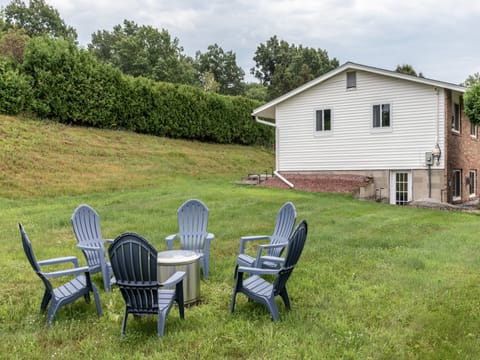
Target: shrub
pixel 71 86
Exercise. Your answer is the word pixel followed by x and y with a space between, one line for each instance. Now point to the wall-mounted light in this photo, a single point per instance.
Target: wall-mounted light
pixel 436 153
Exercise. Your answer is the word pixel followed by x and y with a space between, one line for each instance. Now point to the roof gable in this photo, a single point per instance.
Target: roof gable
pixel 268 110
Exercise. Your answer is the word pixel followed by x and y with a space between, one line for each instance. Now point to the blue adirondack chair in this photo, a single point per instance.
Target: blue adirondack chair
pixel 262 291
pixel 192 231
pixel 79 286
pixel 268 254
pixel 134 264
pixel 86 226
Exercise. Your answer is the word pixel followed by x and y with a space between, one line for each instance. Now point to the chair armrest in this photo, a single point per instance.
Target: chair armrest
pixel 266 247
pixel 210 236
pixel 274 259
pixel 257 271
pixel 169 239
pixel 72 259
pixel 245 239
pixel 75 271
pixel 174 279
pixel 108 241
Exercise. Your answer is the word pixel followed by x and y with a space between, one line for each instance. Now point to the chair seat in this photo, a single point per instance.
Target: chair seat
pixel 75 287
pixel 258 286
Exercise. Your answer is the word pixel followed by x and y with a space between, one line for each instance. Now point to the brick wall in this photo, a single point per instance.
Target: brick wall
pixel 462 151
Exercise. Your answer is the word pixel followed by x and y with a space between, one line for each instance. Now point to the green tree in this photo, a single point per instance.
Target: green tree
pixel 408 70
pixel 224 68
pixel 38 18
pixel 144 51
pixel 472 80
pixel 283 67
pixel 471 100
pixel 12 44
pixel 256 91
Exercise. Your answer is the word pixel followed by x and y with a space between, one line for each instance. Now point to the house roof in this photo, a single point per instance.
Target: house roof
pixel 268 110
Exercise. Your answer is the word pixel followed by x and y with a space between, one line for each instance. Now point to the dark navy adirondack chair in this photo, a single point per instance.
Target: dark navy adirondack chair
pixel 192 231
pixel 80 286
pixel 86 226
pixel 287 215
pixel 134 264
pixel 260 290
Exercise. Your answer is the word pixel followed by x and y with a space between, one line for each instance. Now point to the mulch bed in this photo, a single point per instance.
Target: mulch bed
pixel 319 183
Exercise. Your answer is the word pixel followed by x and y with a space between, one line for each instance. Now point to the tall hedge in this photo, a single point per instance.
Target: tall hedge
pixel 70 86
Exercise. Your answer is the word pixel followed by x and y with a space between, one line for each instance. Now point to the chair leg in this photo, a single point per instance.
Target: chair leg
pixel 205 268
pixel 272 307
pixel 285 298
pixel 46 299
pixel 52 310
pixel 124 322
pixel 97 300
pixel 179 299
pixel 238 286
pixel 87 298
pixel 161 323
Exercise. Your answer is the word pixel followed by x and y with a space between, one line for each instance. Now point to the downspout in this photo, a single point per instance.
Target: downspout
pixel 290 185
pixel 277 174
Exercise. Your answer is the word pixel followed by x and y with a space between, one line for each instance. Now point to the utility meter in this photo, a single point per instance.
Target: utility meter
pixel 428 158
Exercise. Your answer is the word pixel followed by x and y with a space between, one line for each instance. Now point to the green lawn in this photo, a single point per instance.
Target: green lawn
pixel 374 282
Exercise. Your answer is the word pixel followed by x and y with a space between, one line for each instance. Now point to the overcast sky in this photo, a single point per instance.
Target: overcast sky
pixel 439 38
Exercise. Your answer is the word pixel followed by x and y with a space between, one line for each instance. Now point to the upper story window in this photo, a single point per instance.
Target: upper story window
pixel 323 120
pixel 351 79
pixel 473 130
pixel 456 117
pixel 381 116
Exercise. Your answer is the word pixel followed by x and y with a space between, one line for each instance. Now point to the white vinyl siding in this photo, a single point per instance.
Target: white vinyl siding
pixel 354 146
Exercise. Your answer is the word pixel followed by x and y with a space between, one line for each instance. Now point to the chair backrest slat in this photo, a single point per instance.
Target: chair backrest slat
pixel 192 224
pixel 134 264
pixel 287 215
pixel 86 226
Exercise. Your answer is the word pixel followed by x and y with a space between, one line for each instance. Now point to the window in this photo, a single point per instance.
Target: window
pixel 323 120
pixel 351 79
pixel 456 117
pixel 400 187
pixel 381 116
pixel 472 182
pixel 457 185
pixel 473 130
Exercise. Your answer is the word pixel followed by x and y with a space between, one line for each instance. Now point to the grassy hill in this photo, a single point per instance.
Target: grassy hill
pixel 374 281
pixel 41 158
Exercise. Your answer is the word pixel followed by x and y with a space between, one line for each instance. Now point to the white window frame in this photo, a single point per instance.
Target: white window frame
pixel 394 187
pixel 456 117
pixel 380 119
pixel 322 130
pixel 472 183
pixel 457 185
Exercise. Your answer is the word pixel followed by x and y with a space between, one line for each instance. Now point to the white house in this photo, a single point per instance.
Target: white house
pixel 409 134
